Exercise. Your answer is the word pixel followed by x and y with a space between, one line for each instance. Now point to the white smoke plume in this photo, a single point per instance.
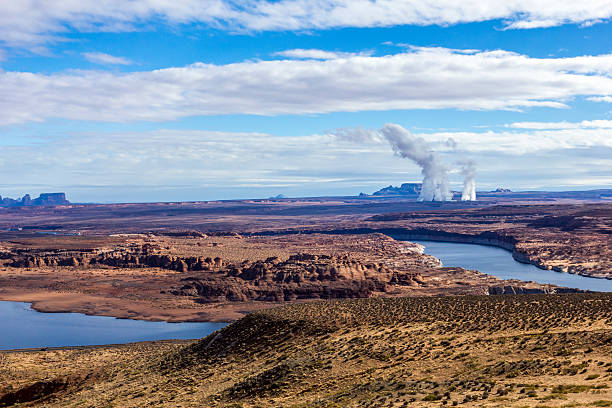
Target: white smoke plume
pixel 468 170
pixel 404 144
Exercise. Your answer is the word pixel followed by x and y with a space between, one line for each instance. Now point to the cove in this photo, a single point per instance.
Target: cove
pixel 499 262
pixel 23 327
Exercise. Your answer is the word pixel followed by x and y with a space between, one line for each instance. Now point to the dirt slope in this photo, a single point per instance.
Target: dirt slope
pixel 477 351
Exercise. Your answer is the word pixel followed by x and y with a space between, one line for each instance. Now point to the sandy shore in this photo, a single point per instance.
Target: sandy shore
pixel 54 302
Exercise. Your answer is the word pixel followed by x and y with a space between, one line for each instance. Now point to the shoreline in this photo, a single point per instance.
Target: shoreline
pixel 423 234
pixel 65 302
pixel 497 243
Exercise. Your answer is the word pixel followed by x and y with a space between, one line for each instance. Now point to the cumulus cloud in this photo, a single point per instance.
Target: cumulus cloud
pixel 105 59
pixel 424 78
pixel 300 53
pixel 31 22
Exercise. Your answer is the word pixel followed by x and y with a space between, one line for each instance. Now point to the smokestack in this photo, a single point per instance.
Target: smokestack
pixel 404 144
pixel 468 170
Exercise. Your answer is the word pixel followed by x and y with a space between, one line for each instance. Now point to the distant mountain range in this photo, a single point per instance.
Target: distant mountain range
pixel 46 199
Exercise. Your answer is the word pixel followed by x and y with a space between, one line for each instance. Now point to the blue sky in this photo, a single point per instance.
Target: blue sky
pixel 153 100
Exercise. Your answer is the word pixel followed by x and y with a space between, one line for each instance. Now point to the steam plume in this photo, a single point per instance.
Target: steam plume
pixel 468 170
pixel 404 144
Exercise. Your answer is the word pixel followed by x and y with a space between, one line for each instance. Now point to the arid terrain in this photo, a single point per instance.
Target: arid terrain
pixel 332 305
pixel 216 261
pixel 212 278
pixel 565 238
pixel 472 351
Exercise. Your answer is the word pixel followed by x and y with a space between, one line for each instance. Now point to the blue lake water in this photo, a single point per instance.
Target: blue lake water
pixel 23 327
pixel 499 262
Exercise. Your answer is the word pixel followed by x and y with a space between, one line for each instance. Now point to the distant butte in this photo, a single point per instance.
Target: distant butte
pixel 45 199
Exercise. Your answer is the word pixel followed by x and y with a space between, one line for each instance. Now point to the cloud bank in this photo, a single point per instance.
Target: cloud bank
pixel 585 124
pixel 423 78
pixel 30 23
pixel 190 165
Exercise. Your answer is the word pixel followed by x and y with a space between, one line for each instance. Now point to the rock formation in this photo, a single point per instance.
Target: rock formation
pixel 406 189
pixel 212 279
pixel 302 276
pixel 45 199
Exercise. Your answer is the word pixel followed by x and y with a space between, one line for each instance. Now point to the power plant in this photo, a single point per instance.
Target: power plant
pixel 435 186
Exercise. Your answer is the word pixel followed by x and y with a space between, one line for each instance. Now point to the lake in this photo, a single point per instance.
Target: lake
pixel 23 327
pixel 499 262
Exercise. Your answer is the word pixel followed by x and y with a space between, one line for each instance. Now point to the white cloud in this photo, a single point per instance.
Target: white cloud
pixel 541 138
pixel 214 164
pixel 300 53
pixel 31 22
pixel 189 165
pixel 606 98
pixel 585 124
pixel 424 78
pixel 105 59
pixel 526 142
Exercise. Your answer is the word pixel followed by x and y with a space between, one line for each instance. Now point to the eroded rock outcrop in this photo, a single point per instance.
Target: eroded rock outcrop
pixel 135 256
pixel 302 276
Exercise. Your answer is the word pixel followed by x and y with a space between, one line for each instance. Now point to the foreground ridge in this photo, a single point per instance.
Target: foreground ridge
pixel 481 351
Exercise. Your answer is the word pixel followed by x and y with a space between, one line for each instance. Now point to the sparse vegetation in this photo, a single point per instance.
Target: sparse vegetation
pixel 353 353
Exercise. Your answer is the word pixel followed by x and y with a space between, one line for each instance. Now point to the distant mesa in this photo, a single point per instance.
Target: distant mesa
pixel 406 189
pixel 411 190
pixel 279 196
pixel 45 199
